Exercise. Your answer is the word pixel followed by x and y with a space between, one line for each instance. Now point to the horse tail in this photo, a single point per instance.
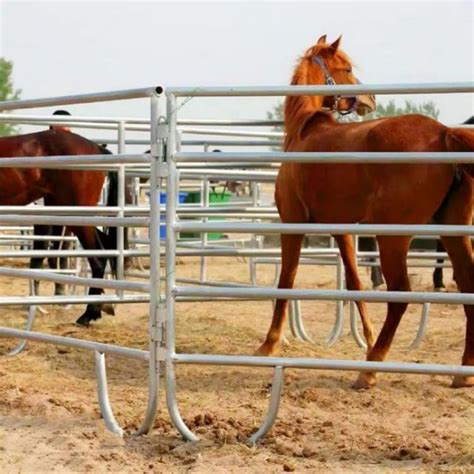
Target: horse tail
pixel 109 235
pixel 459 140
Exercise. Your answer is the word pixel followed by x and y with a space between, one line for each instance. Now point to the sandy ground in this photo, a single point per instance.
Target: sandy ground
pixel 49 418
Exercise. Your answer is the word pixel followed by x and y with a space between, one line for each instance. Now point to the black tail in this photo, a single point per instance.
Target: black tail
pixel 109 237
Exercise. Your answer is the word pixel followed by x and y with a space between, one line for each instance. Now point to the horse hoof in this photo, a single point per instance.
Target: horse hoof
pixel 440 289
pixel 365 381
pixel 460 382
pixel 83 321
pixel 108 309
pixel 266 350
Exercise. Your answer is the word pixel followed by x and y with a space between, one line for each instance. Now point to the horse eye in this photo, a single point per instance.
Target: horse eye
pixel 349 70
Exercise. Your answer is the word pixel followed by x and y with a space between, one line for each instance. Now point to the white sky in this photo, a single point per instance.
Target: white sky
pixel 69 47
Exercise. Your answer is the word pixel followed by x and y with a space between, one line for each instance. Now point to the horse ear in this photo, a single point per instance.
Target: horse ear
pixel 322 39
pixel 334 46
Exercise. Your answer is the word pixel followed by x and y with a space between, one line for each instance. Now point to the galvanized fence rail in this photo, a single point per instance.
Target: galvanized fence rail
pixel 147 292
pixel 200 293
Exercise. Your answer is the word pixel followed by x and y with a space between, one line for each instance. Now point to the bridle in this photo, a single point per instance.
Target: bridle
pixel 329 80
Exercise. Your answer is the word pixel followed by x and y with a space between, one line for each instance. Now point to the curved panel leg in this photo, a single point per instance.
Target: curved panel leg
pixel 300 325
pixel 153 386
pixel 339 323
pixel 172 404
pixel 29 326
pixel 103 396
pixel 272 412
pixel 354 328
pixel 422 328
pixel 292 320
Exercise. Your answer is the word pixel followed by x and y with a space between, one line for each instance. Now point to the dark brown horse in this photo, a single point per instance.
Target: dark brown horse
pixel 369 193
pixel 21 186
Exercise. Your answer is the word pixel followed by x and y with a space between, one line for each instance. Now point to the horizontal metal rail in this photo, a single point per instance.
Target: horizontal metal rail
pixel 75 280
pixel 73 210
pixel 339 89
pixel 70 299
pixel 49 119
pixel 333 229
pixel 48 238
pixel 189 142
pixel 81 98
pixel 249 252
pixel 76 220
pixel 70 253
pixel 268 177
pixel 327 157
pixel 324 364
pixel 76 343
pixel 230 133
pixel 67 160
pixel 262 293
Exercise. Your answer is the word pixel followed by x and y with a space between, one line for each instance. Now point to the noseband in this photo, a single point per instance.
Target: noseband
pixel 329 80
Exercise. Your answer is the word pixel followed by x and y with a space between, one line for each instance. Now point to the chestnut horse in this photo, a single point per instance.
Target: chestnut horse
pixel 21 186
pixel 369 193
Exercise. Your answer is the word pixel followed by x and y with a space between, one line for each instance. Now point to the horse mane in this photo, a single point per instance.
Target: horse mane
pixel 297 107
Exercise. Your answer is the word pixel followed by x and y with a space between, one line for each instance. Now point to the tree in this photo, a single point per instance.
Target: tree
pixel 426 108
pixel 7 92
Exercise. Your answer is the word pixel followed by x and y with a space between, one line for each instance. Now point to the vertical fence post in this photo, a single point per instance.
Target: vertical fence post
pixel 155 335
pixel 171 204
pixel 204 236
pixel 121 204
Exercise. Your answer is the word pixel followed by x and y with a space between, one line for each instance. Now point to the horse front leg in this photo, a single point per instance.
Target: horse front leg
pixel 37 262
pixel 88 237
pixel 438 282
pixel 290 254
pixel 346 247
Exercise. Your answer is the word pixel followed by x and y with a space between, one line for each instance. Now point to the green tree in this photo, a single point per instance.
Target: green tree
pixel 7 92
pixel 276 114
pixel 385 110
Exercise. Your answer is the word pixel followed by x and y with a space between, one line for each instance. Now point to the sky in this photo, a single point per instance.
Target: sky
pixel 68 47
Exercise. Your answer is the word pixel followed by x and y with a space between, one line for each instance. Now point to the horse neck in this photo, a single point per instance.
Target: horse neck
pixel 300 107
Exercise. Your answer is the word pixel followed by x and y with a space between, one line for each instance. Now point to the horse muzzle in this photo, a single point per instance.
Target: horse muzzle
pixel 365 104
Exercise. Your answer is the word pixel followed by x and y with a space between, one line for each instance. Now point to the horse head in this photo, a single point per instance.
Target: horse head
pixel 325 63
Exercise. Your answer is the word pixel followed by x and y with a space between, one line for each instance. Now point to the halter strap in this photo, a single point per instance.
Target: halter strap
pixel 327 75
pixel 331 82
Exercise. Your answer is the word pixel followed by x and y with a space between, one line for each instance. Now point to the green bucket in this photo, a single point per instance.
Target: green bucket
pixel 216 198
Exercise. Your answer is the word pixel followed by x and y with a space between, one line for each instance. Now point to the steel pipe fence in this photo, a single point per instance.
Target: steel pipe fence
pixel 162 330
pixel 174 226
pixel 151 220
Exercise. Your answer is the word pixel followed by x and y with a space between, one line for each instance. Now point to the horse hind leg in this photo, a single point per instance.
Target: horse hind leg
pixel 460 253
pixel 393 255
pixel 346 247
pixel 290 254
pixel 458 210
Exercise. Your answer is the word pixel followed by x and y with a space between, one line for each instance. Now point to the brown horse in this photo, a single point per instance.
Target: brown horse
pixel 21 186
pixel 369 193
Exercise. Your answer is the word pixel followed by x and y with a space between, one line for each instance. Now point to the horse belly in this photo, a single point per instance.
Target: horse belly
pixel 336 193
pixel 339 193
pixel 20 186
pixel 410 194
